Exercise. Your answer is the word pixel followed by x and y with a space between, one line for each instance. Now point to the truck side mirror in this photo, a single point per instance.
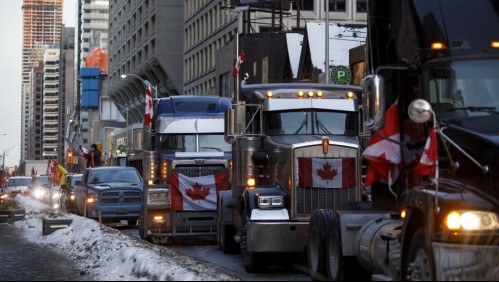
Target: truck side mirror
pixel 373 98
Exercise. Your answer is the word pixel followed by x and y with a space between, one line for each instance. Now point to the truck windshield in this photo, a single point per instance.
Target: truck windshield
pixel 463 88
pixel 310 121
pixel 171 143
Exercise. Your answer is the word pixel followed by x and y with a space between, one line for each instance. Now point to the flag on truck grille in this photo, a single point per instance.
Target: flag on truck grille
pixel 196 193
pixel 428 162
pixel 326 173
pixel 383 151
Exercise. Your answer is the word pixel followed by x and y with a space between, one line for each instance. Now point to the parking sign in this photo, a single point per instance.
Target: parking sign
pixel 341 75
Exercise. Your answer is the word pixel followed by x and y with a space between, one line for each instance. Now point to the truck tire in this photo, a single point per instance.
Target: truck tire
pixel 317 231
pixel 334 253
pixel 339 267
pixel 420 262
pixel 252 261
pixel 226 236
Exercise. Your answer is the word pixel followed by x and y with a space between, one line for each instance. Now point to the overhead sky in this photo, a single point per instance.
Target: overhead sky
pixel 10 75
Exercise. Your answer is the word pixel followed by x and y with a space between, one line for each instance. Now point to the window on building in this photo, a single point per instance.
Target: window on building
pixel 303 5
pixel 225 85
pixel 362 6
pixel 337 5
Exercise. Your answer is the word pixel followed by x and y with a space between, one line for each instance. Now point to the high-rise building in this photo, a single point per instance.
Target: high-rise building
pixel 42 21
pixel 50 112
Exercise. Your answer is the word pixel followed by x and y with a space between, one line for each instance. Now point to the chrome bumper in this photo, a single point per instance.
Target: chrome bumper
pixel 466 262
pixel 276 237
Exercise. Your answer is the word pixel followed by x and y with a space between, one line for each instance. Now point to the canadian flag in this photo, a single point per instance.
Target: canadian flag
pixel 240 60
pixel 149 110
pixel 383 155
pixel 326 173
pixel 196 193
pixel 428 162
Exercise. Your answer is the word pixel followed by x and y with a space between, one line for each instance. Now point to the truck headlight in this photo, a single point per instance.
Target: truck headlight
pixel 471 220
pixel 159 196
pixel 56 195
pixel 266 202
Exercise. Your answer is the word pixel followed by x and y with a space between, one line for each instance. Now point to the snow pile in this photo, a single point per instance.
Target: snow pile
pixel 108 254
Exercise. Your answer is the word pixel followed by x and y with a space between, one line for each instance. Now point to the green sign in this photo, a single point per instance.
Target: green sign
pixel 341 75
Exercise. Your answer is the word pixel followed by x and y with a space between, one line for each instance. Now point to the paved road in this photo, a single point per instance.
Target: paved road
pixel 21 260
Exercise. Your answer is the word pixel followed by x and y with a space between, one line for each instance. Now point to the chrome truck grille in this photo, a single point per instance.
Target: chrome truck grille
pixel 310 198
pixel 197 171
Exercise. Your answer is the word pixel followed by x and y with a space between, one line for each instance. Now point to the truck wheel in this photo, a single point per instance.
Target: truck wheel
pixel 252 261
pixel 317 231
pixel 421 264
pixel 227 244
pixel 334 253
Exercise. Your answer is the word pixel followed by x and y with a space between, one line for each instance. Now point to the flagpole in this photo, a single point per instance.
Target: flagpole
pixel 237 77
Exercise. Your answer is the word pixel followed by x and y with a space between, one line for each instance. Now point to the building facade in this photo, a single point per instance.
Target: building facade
pixel 42 21
pixel 145 43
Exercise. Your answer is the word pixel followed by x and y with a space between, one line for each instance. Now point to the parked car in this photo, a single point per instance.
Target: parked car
pixel 111 193
pixel 67 199
pixel 18 184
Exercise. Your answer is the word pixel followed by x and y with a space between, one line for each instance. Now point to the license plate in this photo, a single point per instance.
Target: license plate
pixel 121 210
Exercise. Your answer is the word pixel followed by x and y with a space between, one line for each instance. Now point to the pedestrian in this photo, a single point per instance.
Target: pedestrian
pixel 96 155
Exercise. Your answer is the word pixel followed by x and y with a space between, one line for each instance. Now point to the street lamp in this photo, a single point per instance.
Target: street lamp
pixel 146 83
pixel 127 129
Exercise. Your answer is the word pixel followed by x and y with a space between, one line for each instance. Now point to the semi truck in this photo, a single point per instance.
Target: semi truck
pixel 295 149
pixel 185 163
pixel 431 96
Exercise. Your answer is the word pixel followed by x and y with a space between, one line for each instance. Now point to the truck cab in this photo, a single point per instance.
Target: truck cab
pixel 189 163
pixel 296 148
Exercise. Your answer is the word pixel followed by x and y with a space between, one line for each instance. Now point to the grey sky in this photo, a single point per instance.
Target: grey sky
pixel 10 74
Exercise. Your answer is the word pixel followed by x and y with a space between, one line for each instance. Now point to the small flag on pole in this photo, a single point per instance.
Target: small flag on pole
pixel 240 60
pixel 149 110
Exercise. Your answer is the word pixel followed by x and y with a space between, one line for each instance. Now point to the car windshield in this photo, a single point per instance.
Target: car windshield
pixel 308 121
pixel 115 175
pixel 19 181
pixel 171 143
pixel 41 180
pixel 463 88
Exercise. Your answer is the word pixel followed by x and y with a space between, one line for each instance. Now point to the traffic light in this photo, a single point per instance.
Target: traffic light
pixel 70 157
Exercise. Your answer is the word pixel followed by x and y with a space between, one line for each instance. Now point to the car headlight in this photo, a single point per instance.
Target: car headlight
pixel 471 220
pixel 158 196
pixel 92 198
pixel 39 193
pixel 270 202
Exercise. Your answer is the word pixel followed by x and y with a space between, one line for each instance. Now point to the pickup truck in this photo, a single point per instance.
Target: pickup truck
pixel 109 194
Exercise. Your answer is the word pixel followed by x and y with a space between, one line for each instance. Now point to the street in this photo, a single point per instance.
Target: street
pixel 25 261
pixel 281 268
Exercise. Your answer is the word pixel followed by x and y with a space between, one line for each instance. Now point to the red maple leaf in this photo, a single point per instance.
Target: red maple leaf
pixel 197 192
pixel 327 172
